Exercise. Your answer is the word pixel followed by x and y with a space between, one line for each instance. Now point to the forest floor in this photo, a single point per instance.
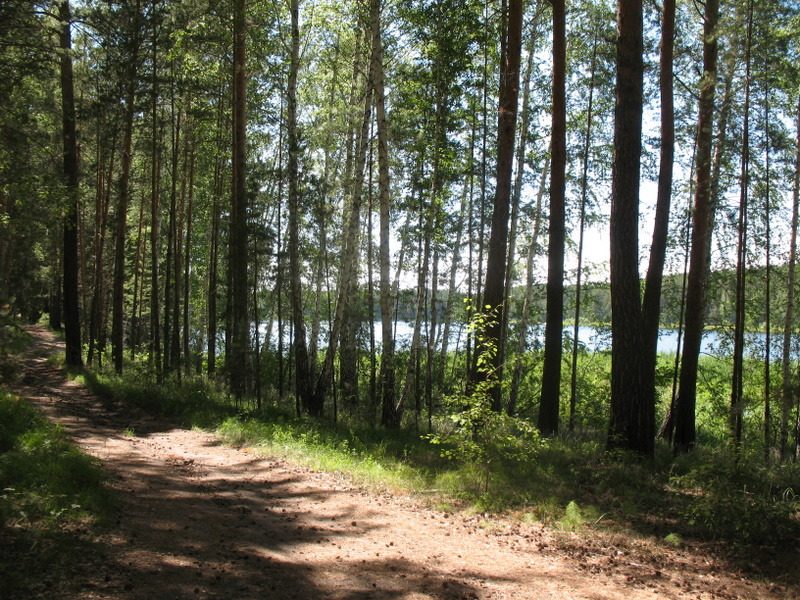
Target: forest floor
pixel 198 519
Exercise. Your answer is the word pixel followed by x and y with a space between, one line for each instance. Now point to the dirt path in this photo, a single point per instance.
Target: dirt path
pixel 202 520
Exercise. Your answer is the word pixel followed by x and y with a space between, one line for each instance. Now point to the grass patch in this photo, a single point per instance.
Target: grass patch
pixel 50 493
pixel 193 402
pixel 13 340
pixel 377 462
pixel 377 459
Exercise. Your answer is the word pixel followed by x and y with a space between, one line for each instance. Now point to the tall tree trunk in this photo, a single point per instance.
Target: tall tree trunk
pixel 155 176
pixel 187 261
pixel 72 322
pixel 117 322
pixel 279 245
pixel 57 285
pixel 83 267
pixel 667 428
pixel 350 251
pixel 387 370
pixel 257 346
pixel 374 398
pixel 553 348
pixel 471 232
pixel 626 386
pixel 787 396
pixel 6 245
pixel 495 294
pixel 431 316
pixel 701 238
pixel 522 327
pixel 451 288
pixel 342 326
pixel 573 385
pixel 737 385
pixel 170 275
pixel 516 192
pixel 767 288
pixel 303 382
pixel 321 216
pixel 176 349
pixel 412 369
pixel 431 319
pixel 651 305
pixel 102 204
pixel 213 272
pixel 137 288
pixel 240 341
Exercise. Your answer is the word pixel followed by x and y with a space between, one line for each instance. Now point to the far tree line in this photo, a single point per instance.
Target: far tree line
pixel 259 192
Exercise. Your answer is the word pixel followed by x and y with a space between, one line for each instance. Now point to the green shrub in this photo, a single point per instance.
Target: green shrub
pixel 738 499
pixel 475 434
pixel 44 477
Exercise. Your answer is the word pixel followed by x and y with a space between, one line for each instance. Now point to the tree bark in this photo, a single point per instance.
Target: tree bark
pixel 626 386
pixel 516 196
pixel 170 276
pixel 213 272
pixel 522 328
pixel 412 371
pixel 387 368
pixel 187 262
pixel 72 321
pixel 787 396
pixel 737 384
pixel 667 429
pixel 303 382
pixel 495 294
pixel 117 322
pixel 767 288
pixel 553 347
pixel 155 176
pixel 651 305
pixel 102 204
pixel 350 251
pixel 240 340
pixel 685 433
pixel 451 288
pixel 138 291
pixel 573 385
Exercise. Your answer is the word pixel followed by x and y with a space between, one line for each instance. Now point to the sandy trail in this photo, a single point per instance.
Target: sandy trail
pixel 206 521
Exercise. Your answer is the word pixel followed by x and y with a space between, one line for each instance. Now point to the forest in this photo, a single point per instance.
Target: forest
pixel 266 195
pixel 533 263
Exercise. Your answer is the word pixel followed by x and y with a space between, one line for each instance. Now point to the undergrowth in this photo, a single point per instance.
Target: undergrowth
pixel 49 493
pixel 13 340
pixel 568 482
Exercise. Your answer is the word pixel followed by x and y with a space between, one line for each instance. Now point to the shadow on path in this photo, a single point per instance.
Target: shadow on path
pixel 198 520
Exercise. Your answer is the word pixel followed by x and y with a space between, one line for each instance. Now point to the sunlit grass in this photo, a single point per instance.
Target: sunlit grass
pixel 367 462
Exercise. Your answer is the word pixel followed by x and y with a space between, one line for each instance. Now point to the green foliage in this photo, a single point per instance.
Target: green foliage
pixel 13 339
pixel 573 519
pixel 49 491
pixel 396 461
pixel 475 434
pixel 739 500
pixel 44 477
pixel 193 401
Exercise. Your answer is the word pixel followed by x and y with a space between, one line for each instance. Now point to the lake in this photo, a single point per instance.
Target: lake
pixel 594 339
